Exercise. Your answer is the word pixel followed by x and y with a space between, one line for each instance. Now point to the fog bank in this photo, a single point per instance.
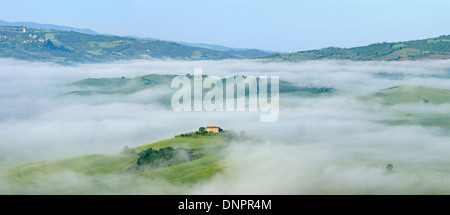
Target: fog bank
pixel 319 145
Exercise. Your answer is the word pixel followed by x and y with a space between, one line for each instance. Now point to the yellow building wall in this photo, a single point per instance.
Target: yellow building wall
pixel 212 130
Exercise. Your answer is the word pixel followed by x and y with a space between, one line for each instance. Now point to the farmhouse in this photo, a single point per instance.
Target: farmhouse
pixel 213 129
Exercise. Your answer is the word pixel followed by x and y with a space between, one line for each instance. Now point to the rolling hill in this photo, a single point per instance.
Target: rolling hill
pixel 69 47
pixel 416 96
pixel 122 85
pixel 110 173
pixel 47 27
pixel 433 48
pixel 409 95
pixel 66 45
pixel 90 31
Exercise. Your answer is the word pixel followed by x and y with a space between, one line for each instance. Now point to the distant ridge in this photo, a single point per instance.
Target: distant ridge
pixel 431 48
pixel 68 47
pixel 64 44
pixel 89 31
pixel 48 27
pixel 205 45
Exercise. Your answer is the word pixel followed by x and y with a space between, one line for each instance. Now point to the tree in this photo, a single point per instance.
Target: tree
pixel 201 129
pixel 127 151
pixel 390 167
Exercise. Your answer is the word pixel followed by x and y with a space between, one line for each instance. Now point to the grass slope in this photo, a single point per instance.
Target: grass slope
pixel 127 85
pixel 413 95
pixel 105 173
pixel 421 119
pixel 409 94
pixel 433 48
pixel 69 46
pixel 121 85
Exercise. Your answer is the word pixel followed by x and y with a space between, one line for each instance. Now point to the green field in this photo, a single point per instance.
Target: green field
pixel 68 47
pixel 433 48
pixel 408 95
pixel 421 119
pixel 104 173
pixel 417 96
pixel 131 85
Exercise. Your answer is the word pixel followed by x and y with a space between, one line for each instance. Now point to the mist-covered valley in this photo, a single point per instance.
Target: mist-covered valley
pixel 54 140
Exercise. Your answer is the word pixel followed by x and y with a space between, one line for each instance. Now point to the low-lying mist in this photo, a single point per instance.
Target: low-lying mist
pixel 320 145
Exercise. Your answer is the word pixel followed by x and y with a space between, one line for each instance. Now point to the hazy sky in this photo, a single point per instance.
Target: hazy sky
pixel 281 25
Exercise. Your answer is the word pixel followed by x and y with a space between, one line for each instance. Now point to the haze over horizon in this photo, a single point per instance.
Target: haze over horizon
pixel 278 26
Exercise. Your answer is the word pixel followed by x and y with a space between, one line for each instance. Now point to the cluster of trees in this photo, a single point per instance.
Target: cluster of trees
pixel 202 132
pixel 128 151
pixel 153 159
pixel 150 155
pixel 163 157
pixel 439 45
pixel 383 51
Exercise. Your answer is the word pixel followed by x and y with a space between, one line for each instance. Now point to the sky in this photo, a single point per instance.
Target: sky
pixel 282 25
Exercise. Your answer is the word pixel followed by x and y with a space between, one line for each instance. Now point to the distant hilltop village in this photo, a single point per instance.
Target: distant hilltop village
pixel 375 43
pixel 33 38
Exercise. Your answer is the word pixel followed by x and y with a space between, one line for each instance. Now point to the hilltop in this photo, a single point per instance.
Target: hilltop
pixel 47 26
pixel 70 46
pixel 413 95
pixel 90 31
pixel 66 45
pixel 123 85
pixel 409 94
pixel 433 48
pixel 179 160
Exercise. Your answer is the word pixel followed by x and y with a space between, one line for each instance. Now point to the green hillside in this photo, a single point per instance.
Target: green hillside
pixel 124 85
pixel 121 85
pixel 433 48
pixel 409 94
pixel 421 119
pixel 104 170
pixel 68 46
pixel 413 95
